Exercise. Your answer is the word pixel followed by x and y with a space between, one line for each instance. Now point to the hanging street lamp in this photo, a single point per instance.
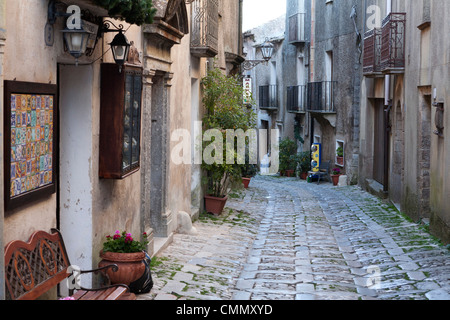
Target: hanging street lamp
pixel 267 49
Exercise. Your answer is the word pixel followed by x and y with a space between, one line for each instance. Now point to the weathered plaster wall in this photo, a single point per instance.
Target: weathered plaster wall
pixel 90 208
pixel 179 187
pixel 28 59
pixel 115 203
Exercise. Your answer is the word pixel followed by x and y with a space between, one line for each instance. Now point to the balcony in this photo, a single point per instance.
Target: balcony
pixel 372 53
pixel 321 97
pixel 393 43
pixel 205 28
pixel 384 49
pixel 297 28
pixel 268 97
pixel 296 99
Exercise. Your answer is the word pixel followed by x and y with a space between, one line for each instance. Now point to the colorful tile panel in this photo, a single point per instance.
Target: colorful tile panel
pixel 31 142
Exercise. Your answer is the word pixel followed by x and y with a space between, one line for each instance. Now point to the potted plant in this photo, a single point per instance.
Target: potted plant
pixel 340 156
pixel 125 252
pixel 248 172
pixel 288 162
pixel 335 174
pixel 303 160
pixel 224 111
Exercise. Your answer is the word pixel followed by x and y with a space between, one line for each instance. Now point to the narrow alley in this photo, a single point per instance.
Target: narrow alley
pixel 286 239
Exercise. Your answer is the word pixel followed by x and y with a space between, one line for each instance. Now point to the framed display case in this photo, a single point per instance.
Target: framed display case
pixel 120 121
pixel 30 142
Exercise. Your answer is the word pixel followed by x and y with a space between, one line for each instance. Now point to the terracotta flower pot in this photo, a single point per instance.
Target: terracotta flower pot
pixel 131 266
pixel 335 179
pixel 246 182
pixel 215 205
pixel 290 173
pixel 303 175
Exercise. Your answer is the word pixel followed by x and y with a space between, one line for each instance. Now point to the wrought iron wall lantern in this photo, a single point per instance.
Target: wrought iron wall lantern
pixel 120 46
pixel 266 50
pixel 76 37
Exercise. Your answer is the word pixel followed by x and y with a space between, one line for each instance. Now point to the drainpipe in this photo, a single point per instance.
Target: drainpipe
pixel 387 103
pixel 387 81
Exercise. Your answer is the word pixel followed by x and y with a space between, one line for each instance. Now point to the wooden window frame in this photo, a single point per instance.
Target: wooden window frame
pixel 29 88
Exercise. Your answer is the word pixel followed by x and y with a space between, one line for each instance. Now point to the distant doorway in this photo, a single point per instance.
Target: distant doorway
pixel 424 152
pixel 379 153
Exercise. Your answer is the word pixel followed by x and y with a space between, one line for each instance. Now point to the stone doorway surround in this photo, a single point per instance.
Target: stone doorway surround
pixel 168 28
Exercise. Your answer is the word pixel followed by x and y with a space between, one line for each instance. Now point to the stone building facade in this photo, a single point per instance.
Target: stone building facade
pixel 404 145
pixel 314 76
pixel 174 53
pixel 267 79
pixel 334 81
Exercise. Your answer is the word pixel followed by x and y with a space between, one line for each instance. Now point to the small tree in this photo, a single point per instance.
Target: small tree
pixel 134 12
pixel 223 100
pixel 288 149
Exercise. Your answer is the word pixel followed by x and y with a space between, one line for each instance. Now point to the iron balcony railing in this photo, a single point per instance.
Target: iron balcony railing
pixel 384 48
pixel 296 99
pixel 297 28
pixel 393 43
pixel 372 53
pixel 205 28
pixel 268 97
pixel 321 97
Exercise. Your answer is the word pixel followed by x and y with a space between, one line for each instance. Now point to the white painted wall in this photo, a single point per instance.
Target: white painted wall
pixel 76 85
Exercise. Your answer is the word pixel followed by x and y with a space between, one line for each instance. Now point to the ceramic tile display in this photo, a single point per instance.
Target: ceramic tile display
pixel 30 111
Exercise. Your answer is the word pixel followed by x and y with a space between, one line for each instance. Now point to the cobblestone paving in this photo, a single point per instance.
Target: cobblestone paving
pixel 285 239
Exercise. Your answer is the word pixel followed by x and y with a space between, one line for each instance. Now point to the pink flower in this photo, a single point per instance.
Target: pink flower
pixel 67 298
pixel 128 238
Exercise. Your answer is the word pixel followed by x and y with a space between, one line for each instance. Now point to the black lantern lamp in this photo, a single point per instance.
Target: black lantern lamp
pixel 266 50
pixel 76 41
pixel 76 38
pixel 120 47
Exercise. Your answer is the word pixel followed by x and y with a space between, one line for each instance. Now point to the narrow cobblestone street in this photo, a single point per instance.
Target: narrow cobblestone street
pixel 286 239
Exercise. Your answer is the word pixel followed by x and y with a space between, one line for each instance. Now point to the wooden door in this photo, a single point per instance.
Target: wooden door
pixel 379 143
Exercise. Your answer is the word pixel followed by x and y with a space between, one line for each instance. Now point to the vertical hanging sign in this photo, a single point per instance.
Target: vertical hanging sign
pixel 247 90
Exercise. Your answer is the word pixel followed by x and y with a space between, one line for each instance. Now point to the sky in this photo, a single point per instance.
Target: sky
pixel 257 12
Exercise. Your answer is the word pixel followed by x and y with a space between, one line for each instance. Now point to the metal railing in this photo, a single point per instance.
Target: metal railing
pixel 393 43
pixel 321 96
pixel 372 52
pixel 205 28
pixel 384 48
pixel 296 99
pixel 268 97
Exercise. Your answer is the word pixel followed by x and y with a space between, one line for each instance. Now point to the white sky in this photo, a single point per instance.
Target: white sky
pixel 258 12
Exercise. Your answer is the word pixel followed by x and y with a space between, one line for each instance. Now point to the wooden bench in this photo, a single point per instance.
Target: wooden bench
pixel 33 268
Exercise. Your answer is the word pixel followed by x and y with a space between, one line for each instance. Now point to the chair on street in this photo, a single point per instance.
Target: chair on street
pixel 324 171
